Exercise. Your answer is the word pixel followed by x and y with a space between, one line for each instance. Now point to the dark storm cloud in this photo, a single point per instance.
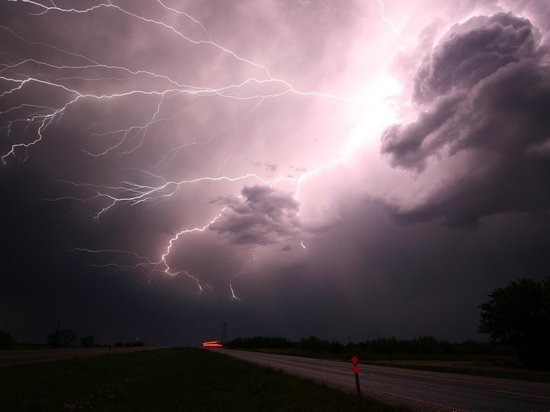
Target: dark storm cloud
pixel 355 262
pixel 197 135
pixel 486 91
pixel 261 216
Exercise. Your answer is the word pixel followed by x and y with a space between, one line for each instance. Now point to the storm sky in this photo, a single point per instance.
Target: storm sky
pixel 333 168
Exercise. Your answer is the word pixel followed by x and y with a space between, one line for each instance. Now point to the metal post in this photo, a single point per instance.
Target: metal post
pixel 355 361
pixel 358 390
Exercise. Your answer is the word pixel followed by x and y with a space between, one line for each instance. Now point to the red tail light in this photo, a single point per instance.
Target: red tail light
pixel 212 344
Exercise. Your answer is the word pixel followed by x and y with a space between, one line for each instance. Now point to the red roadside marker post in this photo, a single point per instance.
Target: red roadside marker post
pixel 355 360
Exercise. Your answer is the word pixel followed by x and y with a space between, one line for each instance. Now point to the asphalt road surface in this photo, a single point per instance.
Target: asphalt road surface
pixel 420 390
pixel 23 356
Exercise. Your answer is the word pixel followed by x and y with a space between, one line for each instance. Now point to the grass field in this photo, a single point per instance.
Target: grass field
pixel 180 379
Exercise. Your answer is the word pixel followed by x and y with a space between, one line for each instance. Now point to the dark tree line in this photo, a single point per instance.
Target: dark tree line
pixel 423 345
pixel 66 337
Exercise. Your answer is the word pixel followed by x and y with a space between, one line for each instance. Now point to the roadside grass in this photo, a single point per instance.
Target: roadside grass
pixel 489 366
pixel 178 379
pixel 520 374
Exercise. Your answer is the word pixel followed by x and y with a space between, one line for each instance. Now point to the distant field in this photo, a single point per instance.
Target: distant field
pixel 180 379
pixel 490 366
pixel 45 354
pixel 475 368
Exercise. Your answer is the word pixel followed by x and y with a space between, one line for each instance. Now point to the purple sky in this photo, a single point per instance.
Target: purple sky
pixel 334 168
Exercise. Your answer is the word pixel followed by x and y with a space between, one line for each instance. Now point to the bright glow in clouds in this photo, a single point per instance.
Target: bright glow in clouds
pixel 372 112
pixel 228 122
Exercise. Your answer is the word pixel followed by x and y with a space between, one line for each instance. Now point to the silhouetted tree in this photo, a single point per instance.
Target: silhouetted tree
pixel 6 341
pixel 519 315
pixel 63 337
pixel 87 341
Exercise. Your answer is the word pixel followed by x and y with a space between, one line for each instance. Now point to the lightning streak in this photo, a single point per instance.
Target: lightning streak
pixel 72 84
pixel 164 257
pixel 386 20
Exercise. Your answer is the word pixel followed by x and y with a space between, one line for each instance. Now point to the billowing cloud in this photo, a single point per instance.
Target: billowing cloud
pixel 484 92
pixel 261 216
pixel 473 50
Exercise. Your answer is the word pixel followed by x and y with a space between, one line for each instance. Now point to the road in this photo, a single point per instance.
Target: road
pixel 420 390
pixel 23 356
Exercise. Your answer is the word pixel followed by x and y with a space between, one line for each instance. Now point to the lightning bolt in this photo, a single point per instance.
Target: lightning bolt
pixel 385 19
pixel 73 83
pixel 44 120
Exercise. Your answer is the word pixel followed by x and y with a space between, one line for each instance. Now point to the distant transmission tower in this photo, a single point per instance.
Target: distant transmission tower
pixel 224 333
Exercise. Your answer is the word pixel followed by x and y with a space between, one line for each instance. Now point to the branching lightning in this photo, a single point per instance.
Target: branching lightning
pixel 70 81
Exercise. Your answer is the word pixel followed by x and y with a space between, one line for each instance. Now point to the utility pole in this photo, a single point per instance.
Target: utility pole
pixel 56 338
